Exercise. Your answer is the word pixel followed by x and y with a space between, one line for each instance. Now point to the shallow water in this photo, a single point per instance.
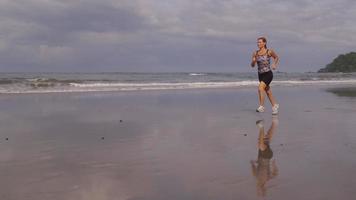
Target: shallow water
pixel 186 144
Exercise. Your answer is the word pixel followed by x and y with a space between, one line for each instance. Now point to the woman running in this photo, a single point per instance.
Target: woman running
pixel 263 59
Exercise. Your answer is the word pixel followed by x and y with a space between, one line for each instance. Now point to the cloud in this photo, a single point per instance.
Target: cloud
pixel 171 35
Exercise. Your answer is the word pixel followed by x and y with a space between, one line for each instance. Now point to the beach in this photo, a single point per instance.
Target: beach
pixel 178 144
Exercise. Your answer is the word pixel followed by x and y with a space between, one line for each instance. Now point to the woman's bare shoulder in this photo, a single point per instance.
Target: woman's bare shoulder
pixel 271 52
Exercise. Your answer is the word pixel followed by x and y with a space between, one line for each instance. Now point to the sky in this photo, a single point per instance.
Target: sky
pixel 171 35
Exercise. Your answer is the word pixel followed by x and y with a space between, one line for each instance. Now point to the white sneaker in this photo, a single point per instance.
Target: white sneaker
pixel 275 109
pixel 260 123
pixel 260 109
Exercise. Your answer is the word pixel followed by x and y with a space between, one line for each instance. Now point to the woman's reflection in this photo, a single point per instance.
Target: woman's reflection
pixel 262 168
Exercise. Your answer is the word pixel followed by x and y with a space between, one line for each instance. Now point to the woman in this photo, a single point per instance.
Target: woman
pixel 263 59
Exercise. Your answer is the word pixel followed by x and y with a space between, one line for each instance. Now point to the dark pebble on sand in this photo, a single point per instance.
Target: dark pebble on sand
pixel 245 134
pixel 102 138
pixel 281 144
pixel 6 138
pixel 120 120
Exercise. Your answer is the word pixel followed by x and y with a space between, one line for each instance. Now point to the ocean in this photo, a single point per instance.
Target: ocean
pixel 11 83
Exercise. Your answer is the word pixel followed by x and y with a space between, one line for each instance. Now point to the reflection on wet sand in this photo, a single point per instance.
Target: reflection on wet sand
pixel 262 168
pixel 175 145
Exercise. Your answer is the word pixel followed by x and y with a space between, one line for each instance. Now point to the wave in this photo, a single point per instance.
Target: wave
pixel 196 74
pixel 117 86
pixel 210 84
pixel 37 82
pixel 183 84
pixel 315 82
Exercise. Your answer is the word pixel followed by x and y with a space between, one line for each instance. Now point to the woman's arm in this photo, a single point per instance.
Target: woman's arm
pixel 253 62
pixel 275 59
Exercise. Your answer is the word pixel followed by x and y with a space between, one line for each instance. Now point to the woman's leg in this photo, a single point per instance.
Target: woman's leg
pixel 261 90
pixel 270 95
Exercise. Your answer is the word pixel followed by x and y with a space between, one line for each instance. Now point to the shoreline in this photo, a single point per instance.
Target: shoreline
pixel 120 90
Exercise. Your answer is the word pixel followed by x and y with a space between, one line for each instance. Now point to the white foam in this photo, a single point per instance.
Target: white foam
pixel 210 84
pixel 168 85
pixel 196 74
pixel 93 87
pixel 314 82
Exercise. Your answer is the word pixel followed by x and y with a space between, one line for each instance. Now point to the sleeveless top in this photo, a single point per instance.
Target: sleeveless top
pixel 263 62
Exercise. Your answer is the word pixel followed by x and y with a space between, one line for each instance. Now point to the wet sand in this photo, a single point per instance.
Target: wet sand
pixel 178 144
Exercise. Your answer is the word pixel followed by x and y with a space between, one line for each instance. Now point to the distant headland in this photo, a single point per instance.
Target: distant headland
pixel 342 63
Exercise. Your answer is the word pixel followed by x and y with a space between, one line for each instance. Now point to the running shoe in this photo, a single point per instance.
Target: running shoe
pixel 275 109
pixel 260 109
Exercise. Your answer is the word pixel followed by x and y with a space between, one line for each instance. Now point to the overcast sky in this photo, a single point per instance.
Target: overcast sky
pixel 171 35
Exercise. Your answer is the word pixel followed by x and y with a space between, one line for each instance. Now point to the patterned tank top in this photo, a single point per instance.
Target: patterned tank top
pixel 263 62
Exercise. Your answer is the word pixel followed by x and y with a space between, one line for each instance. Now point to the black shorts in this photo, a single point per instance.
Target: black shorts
pixel 266 77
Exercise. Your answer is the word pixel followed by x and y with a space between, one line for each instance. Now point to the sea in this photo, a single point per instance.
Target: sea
pixel 21 83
